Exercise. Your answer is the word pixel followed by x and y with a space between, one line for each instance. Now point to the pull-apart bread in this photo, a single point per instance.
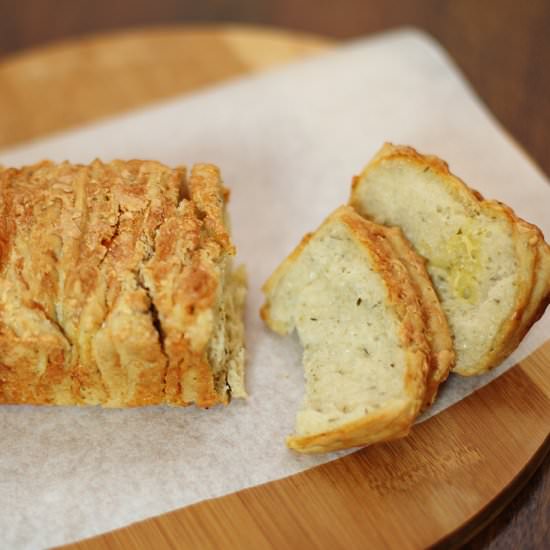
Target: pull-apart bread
pixel 116 286
pixel 362 317
pixel 491 269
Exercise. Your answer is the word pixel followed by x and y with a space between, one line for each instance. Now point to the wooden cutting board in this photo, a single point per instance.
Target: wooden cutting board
pixel 440 485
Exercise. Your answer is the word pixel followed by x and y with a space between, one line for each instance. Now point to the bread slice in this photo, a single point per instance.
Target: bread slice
pixel 358 317
pixel 116 286
pixel 487 265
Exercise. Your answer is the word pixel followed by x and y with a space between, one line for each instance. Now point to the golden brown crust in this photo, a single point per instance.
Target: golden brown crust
pixel 210 197
pixel 184 275
pixel 404 299
pixel 402 152
pixel 527 238
pixel 33 346
pixel 78 322
pixel 442 355
pixel 381 426
pixel 395 421
pixel 509 334
pixel 539 297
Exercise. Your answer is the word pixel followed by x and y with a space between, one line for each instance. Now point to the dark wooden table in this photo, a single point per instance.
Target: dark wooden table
pixel 503 47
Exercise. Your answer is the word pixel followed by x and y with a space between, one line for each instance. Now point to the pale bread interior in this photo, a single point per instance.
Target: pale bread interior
pixel 226 347
pixel 353 358
pixel 471 254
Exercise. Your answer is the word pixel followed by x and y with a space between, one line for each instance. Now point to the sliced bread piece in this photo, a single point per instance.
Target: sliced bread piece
pixel 358 317
pixel 483 260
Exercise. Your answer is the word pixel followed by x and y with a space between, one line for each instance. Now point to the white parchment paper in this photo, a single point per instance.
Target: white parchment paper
pixel 288 142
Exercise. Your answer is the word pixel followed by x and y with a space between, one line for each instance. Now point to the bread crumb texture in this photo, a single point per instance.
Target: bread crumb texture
pixel 116 286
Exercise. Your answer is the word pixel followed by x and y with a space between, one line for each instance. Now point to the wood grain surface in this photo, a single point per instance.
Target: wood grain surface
pixel 102 76
pixel 437 486
pixel 502 46
pixel 97 81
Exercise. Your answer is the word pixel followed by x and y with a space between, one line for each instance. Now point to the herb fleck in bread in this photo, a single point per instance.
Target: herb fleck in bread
pixel 116 286
pixel 358 316
pixel 490 268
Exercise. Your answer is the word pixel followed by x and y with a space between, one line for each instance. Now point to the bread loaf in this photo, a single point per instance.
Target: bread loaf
pixel 116 286
pixel 359 318
pixel 489 267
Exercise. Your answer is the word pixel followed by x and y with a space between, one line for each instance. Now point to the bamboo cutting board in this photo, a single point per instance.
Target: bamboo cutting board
pixel 440 485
